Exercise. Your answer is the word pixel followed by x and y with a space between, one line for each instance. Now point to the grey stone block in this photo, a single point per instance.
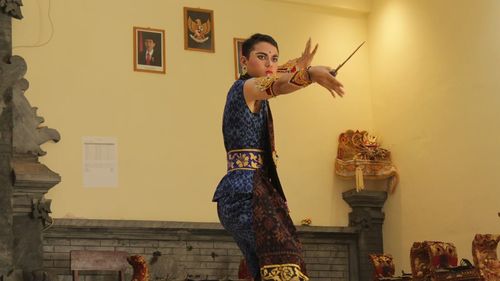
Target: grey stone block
pixel 210 258
pixel 62 263
pixel 172 244
pixel 113 242
pixel 318 267
pixel 142 243
pixel 201 244
pixel 217 252
pixel 67 249
pixel 48 248
pixel 215 265
pixel 60 271
pixel 57 241
pixel 331 274
pixel 85 242
pixel 208 238
pixel 234 252
pixel 130 250
pixel 312 273
pixel 65 278
pixel 99 248
pixel 340 261
pixel 56 256
pixel 341 254
pixel 317 253
pixel 342 268
pixel 185 251
pixel 334 247
pixel 163 251
pixel 225 245
pixel 307 247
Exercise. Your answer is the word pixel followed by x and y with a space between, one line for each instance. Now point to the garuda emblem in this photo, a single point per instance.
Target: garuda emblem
pixel 199 31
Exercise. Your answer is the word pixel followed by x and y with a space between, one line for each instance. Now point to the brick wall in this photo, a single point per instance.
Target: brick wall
pixel 200 250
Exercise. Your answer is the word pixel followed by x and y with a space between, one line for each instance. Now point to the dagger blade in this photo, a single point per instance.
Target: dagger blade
pixel 335 71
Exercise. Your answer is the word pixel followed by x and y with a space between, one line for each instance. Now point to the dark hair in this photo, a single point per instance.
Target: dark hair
pixel 248 44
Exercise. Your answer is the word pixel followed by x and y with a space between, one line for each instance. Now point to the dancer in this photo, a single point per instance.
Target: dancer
pixel 251 204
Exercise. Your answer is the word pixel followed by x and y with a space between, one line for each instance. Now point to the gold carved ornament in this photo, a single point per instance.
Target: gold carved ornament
pixel 360 156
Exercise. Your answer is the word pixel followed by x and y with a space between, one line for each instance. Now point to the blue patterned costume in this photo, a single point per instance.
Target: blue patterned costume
pixel 241 129
pixel 250 201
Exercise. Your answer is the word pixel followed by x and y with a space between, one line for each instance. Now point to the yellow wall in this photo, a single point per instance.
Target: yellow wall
pixel 171 154
pixel 435 77
pixel 433 69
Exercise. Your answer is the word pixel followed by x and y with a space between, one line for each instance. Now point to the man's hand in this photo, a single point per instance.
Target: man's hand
pixel 307 56
pixel 322 76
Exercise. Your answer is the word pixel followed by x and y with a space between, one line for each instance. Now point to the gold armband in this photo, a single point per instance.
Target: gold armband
pixel 289 67
pixel 301 78
pixel 265 84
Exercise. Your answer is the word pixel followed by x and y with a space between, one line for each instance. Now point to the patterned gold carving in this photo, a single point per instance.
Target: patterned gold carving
pixel 301 78
pixel 289 67
pixel 265 82
pixel 282 272
pixel 242 159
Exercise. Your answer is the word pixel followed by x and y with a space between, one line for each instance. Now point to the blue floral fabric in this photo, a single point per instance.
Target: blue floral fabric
pixel 250 201
pixel 236 215
pixel 241 129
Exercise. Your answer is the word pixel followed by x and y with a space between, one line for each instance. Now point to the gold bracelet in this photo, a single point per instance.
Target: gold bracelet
pixel 301 78
pixel 265 84
pixel 289 67
pixel 270 90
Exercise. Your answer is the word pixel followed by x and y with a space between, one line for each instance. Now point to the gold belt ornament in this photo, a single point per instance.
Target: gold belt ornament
pixel 282 272
pixel 245 159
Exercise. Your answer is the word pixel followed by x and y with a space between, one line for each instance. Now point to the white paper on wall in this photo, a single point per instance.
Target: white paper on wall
pixel 100 162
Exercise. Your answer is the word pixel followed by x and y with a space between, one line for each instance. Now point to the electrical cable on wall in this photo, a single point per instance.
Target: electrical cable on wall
pixel 51 30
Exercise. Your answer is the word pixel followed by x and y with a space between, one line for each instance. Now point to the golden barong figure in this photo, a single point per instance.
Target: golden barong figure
pixel 360 156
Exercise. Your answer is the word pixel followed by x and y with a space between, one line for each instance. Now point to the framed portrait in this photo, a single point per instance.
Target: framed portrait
pixel 149 50
pixel 199 30
pixel 237 45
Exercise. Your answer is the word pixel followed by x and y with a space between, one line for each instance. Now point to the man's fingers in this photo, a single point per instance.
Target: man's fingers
pixel 328 88
pixel 307 50
pixel 314 51
pixel 337 82
pixel 340 91
pixel 336 86
pixel 332 92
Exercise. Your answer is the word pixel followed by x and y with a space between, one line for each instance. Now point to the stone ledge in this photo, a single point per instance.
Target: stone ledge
pixel 177 225
pixel 203 248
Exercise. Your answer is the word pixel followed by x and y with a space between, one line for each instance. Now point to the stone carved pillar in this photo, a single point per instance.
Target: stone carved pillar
pixel 368 217
pixel 31 179
pixel 23 179
pixel 6 236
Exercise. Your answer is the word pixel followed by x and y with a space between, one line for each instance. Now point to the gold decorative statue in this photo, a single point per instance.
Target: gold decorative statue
pixel 360 156
pixel 484 253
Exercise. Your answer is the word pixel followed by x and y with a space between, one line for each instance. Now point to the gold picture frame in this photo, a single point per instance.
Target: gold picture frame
pixel 152 39
pixel 199 33
pixel 237 46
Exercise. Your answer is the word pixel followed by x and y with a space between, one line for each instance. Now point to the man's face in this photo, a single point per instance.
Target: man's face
pixel 262 61
pixel 149 44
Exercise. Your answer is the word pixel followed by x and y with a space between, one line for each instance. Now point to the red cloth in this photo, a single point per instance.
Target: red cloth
pixel 243 271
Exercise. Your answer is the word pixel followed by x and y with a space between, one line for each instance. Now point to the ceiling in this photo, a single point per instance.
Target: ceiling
pixel 363 6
